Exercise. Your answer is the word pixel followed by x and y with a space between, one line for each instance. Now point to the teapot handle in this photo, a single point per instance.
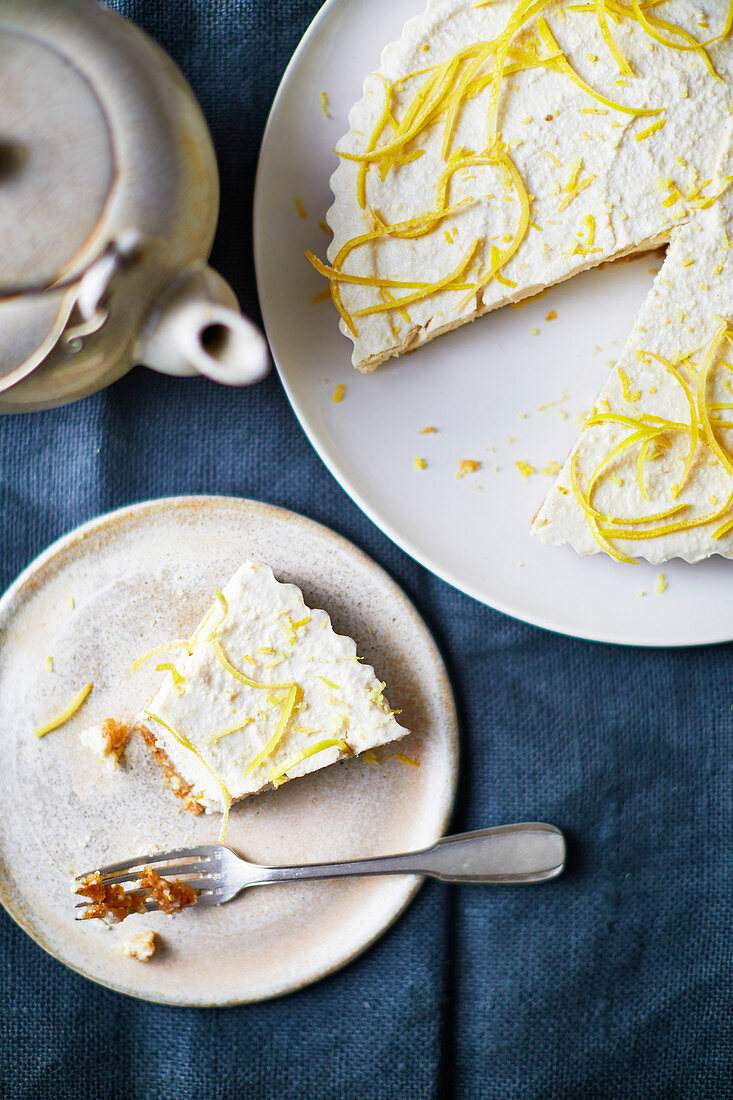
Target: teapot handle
pixel 196 328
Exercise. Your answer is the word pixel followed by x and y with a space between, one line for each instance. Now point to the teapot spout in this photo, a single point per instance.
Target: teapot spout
pixel 196 327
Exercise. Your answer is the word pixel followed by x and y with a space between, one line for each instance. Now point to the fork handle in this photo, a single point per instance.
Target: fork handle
pixel 527 852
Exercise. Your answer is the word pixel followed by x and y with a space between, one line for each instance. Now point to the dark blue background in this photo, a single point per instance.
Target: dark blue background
pixel 613 982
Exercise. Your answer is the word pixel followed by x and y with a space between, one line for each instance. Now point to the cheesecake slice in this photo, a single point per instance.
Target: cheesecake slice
pixel 265 691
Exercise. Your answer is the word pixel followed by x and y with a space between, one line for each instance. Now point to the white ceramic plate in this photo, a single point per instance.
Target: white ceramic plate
pixel 496 393
pixel 142 576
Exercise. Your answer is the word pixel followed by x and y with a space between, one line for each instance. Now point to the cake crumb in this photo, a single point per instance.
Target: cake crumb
pixel 551 469
pixel 107 739
pixel 552 315
pixel 430 430
pixel 406 759
pixel 419 463
pixel 661 583
pixel 467 466
pixel 141 947
pixel 372 757
pixel 338 393
pixel 111 902
pixel 534 332
pixel 563 415
pixel 525 469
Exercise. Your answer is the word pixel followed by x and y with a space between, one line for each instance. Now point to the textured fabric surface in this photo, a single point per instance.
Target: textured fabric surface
pixel 613 982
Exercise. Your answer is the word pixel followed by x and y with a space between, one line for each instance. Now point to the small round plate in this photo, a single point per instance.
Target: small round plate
pixel 507 389
pixel 107 593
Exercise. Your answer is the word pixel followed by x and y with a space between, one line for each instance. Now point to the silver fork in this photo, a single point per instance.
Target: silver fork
pixel 528 852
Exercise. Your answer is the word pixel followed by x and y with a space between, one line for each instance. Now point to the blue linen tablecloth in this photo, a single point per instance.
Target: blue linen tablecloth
pixel 613 982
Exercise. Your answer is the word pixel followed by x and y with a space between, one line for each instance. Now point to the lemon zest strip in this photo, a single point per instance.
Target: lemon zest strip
pixel 591 520
pixel 212 738
pixel 164 648
pixel 441 284
pixel 197 632
pixel 166 666
pixel 562 65
pixel 643 134
pixel 227 664
pixel 183 740
pixel 299 757
pixel 652 26
pixel 274 741
pixel 363 280
pixel 702 380
pixel 601 15
pixel 65 714
pixel 694 422
pixel 670 528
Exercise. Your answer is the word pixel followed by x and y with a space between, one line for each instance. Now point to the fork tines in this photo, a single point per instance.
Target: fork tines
pixel 203 862
pixel 207 854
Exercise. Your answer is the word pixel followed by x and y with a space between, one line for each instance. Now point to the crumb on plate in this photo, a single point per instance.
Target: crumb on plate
pixel 141 947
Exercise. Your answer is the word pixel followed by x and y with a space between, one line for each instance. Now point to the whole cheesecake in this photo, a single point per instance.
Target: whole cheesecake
pixel 503 147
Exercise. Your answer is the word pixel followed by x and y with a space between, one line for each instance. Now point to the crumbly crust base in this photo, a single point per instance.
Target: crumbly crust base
pixel 173 781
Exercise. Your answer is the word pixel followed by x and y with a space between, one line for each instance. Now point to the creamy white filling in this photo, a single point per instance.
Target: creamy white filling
pixel 93 738
pixel 271 637
pixel 554 130
pixel 548 124
pixel 679 318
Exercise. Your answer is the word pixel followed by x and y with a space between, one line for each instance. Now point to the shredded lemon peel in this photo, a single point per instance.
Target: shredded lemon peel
pixel 527 42
pixel 165 647
pixel 63 716
pixel 293 697
pixel 183 740
pixel 648 431
pixel 275 776
pixel 272 744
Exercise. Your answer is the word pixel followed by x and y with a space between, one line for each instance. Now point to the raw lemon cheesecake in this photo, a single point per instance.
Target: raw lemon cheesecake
pixel 265 691
pixel 504 146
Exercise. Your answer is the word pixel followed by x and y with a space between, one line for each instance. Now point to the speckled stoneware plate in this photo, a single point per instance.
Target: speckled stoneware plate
pixel 102 596
pixel 509 388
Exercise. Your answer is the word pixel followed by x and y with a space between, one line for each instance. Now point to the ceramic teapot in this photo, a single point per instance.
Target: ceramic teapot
pixel 109 199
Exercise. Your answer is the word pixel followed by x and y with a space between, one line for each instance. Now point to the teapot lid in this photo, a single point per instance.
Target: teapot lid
pixel 57 164
pixel 57 173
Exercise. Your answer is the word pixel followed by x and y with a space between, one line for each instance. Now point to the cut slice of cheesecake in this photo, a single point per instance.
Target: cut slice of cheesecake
pixel 265 691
